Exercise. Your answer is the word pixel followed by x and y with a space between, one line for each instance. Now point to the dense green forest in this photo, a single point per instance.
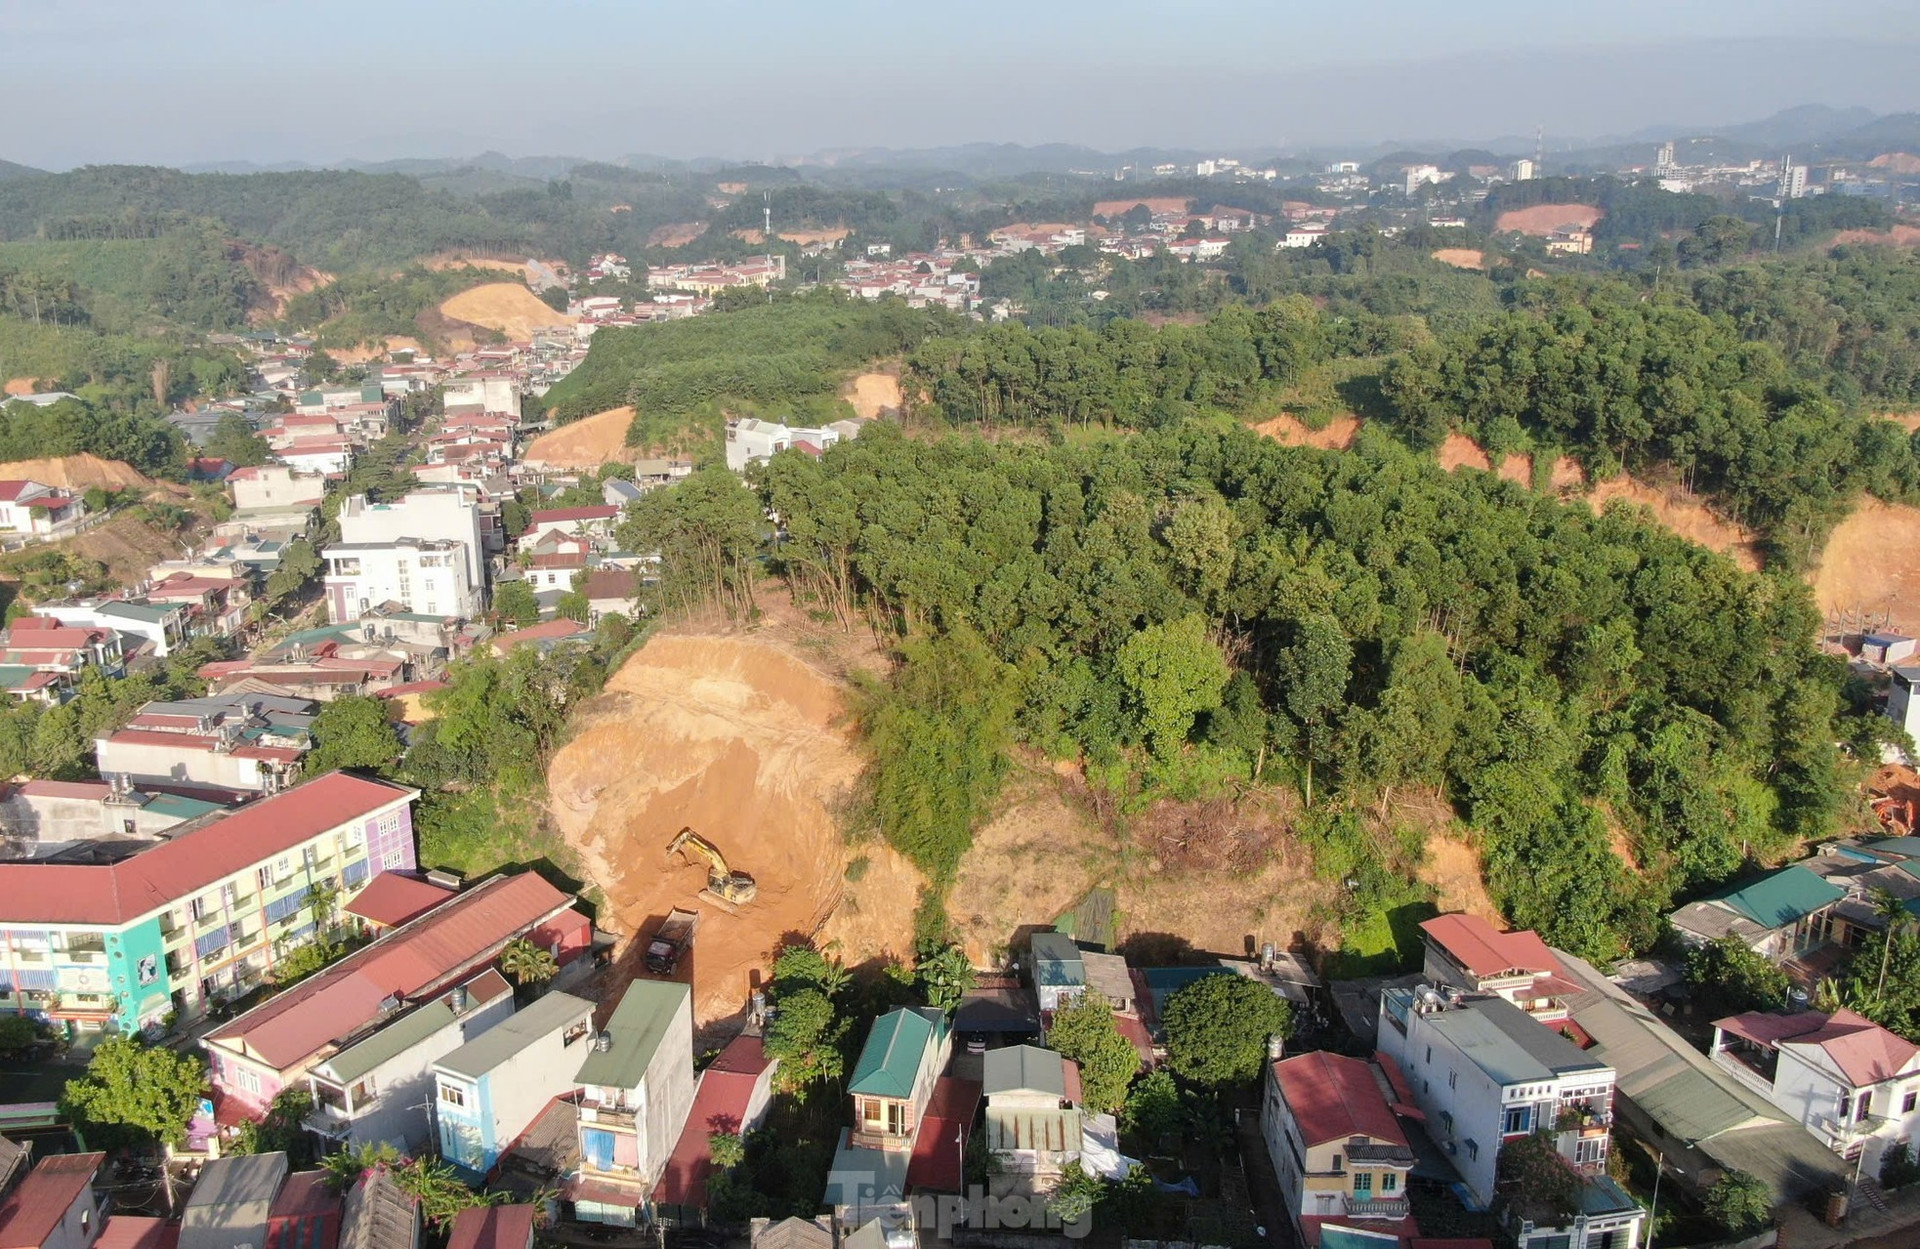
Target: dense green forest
pixel 1188 608
pixel 790 351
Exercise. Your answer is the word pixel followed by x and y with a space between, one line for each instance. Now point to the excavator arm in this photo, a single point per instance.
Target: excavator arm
pixel 725 884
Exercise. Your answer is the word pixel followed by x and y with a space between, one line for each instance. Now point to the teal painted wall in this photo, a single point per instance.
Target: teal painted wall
pixel 137 967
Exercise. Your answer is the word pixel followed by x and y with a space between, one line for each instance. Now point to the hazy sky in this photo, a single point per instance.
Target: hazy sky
pixel 179 81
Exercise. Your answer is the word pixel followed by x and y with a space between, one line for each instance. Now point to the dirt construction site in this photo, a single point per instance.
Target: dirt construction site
pixel 741 739
pixel 743 735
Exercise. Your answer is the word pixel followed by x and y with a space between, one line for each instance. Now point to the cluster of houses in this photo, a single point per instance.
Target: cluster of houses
pixel 151 900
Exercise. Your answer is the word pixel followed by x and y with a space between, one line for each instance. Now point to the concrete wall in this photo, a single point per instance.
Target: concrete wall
pixel 145 761
pixel 670 1087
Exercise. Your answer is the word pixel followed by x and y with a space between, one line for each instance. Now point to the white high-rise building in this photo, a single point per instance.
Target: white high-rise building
pixel 1521 170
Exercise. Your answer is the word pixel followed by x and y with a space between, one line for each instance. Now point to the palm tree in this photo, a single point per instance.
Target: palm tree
pixel 527 963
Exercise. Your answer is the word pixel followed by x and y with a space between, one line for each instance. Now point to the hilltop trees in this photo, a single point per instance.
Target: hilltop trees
pixel 1371 620
pixel 149 1090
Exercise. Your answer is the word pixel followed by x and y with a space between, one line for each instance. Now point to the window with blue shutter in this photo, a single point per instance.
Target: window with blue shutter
pixel 280 908
pixel 212 943
pixel 43 981
pixel 355 872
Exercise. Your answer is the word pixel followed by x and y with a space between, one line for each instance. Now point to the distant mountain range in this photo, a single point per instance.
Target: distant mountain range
pixel 1810 132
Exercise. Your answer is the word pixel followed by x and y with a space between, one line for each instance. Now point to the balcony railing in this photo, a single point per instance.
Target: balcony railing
pixel 607 1115
pixel 1378 1207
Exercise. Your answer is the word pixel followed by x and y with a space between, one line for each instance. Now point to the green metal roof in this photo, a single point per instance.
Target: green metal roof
pixel 391 1041
pixel 1784 897
pixel 516 1032
pixel 182 808
pixel 13 676
pixel 635 1031
pixel 890 1060
pixel 1907 846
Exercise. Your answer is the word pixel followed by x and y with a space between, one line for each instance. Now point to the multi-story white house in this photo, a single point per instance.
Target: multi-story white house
pixel 449 513
pixel 1846 1079
pixel 427 577
pixel 1337 1148
pixel 1485 1073
pixel 749 439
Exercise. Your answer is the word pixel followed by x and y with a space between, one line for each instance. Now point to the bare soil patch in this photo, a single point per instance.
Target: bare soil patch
pixel 1461 257
pixel 1162 204
pixel 873 394
pixel 374 351
pixel 804 238
pixel 738 737
pixel 1895 236
pixel 77 472
pixel 586 443
pixel 676 234
pixel 20 386
pixel 1685 515
pixel 1869 573
pixel 1899 162
pixel 1214 875
pixel 507 307
pixel 1452 868
pixel 127 545
pixel 1543 219
pixel 1336 435
pixel 1460 451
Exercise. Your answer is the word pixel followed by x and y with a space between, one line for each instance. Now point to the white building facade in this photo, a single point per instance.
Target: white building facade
pixel 429 578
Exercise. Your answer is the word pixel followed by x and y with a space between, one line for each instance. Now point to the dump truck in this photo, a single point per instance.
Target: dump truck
pixel 672 939
pixel 725 886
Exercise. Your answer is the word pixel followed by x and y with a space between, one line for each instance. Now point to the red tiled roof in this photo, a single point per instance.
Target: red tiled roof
pixel 937 1146
pixel 719 1105
pixel 1333 1097
pixel 411 687
pixel 75 893
pixel 1865 1052
pixel 561 559
pixel 562 514
pixel 393 899
pixel 492 1227
pixel 1476 946
pixel 130 1231
pixel 29 1217
pixel 410 960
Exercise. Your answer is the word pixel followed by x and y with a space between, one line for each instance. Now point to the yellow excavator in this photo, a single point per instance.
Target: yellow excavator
pixel 724 885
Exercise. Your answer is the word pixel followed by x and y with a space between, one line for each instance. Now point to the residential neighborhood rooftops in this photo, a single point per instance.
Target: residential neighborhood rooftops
pixel 540 1018
pixel 564 515
pixel 1056 960
pixel 889 1062
pixel 391 899
pixel 345 997
pixel 379 1215
pixel 1023 1068
pixel 1484 951
pixel 865 1177
pixel 172 870
pixel 492 1227
pixel 1334 1097
pixel 1509 1045
pixel 231 1202
pixel 29 1216
pixel 1863 1051
pixel 356 1060
pixel 635 1030
pixel 1783 897
pixel 131 1231
pixel 720 1104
